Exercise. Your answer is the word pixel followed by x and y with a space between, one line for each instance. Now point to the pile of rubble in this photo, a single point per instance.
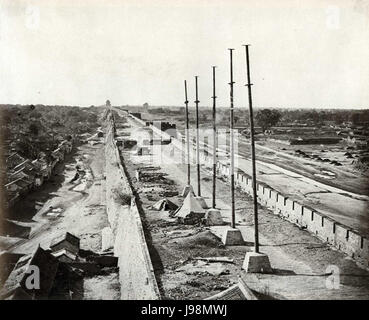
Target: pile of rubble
pixel 56 273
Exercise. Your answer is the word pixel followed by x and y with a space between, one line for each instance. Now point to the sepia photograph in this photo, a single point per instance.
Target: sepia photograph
pixel 172 150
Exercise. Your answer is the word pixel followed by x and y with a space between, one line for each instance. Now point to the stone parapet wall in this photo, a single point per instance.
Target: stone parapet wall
pixel 136 273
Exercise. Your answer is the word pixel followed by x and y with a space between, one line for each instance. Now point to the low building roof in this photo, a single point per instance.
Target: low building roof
pixel 65 252
pixel 25 164
pixel 13 160
pixel 12 182
pixel 66 237
pixel 12 195
pixel 24 182
pixel 47 265
pixel 19 174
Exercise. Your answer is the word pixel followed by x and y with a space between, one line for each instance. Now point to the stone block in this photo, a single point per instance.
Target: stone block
pixel 257 263
pixel 232 237
pixel 213 218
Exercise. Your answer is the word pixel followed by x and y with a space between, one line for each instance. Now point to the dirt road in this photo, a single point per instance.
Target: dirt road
pixel 78 208
pixel 87 205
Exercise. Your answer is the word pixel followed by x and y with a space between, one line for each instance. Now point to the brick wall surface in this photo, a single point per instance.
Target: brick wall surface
pixel 136 273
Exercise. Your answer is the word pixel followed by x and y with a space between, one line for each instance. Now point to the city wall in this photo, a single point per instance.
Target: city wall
pixel 322 226
pixel 136 273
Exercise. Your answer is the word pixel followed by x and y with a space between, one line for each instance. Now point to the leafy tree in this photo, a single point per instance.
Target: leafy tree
pixel 267 118
pixel 355 118
pixel 26 148
pixel 35 114
pixel 34 129
pixel 92 117
pixel 339 118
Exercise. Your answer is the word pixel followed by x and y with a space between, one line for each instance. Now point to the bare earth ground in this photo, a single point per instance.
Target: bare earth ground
pixel 83 214
pixel 104 287
pixel 345 176
pixel 291 250
pixel 174 246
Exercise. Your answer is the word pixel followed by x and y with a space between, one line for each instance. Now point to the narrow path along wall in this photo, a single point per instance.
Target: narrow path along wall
pixel 136 273
pixel 325 228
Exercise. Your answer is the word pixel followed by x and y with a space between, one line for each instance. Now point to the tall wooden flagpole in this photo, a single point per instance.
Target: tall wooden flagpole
pixel 231 83
pixel 214 142
pixel 253 157
pixel 254 262
pixel 197 141
pixel 187 138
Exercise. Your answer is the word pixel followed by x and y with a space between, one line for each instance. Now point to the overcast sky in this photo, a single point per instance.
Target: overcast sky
pixel 303 53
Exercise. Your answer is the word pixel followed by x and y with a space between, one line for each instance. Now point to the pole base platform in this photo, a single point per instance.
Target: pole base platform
pixel 202 202
pixel 186 190
pixel 213 218
pixel 257 263
pixel 232 237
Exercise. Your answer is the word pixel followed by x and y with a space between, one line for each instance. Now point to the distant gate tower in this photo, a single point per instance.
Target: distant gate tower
pixel 145 107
